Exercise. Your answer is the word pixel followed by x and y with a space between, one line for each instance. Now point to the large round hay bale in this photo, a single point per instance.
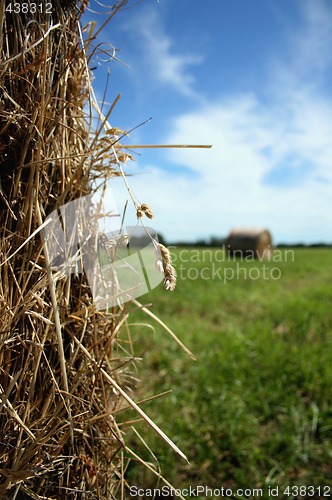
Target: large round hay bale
pixel 249 243
pixel 65 365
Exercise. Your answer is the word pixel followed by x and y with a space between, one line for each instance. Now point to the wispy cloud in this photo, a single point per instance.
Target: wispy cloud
pixel 312 50
pixel 271 159
pixel 166 64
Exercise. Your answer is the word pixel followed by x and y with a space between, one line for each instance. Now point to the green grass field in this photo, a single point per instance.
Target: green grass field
pixel 255 408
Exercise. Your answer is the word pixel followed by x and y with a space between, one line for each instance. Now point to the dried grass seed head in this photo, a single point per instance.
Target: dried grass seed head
pixel 169 271
pixel 144 209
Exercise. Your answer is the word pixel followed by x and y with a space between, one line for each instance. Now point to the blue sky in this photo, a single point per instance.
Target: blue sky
pixel 252 78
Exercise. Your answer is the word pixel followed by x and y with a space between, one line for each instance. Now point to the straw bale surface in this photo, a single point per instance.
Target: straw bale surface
pixel 58 433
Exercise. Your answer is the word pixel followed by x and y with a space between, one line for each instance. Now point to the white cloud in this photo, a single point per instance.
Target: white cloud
pixel 167 66
pixel 312 52
pixel 288 135
pixel 228 189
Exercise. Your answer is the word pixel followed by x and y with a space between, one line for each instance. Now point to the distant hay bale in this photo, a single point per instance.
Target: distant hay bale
pixel 249 242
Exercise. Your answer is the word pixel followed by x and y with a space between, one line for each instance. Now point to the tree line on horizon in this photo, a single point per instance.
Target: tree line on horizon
pixel 220 242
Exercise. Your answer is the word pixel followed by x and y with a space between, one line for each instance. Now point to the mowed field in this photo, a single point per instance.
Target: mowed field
pixel 255 408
